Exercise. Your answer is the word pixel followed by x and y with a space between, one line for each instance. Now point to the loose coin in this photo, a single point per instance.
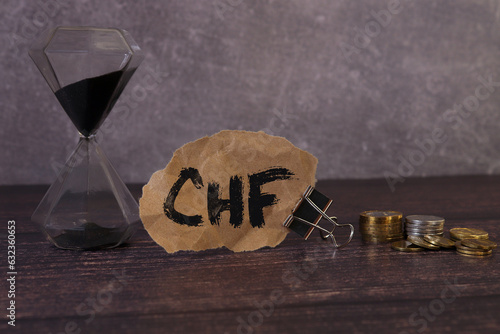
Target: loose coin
pixel 469 250
pixel 474 252
pixel 479 243
pixel 439 241
pixel 476 256
pixel 468 233
pixel 405 246
pixel 419 241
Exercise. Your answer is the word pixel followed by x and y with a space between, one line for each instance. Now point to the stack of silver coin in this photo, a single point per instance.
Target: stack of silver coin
pixel 421 225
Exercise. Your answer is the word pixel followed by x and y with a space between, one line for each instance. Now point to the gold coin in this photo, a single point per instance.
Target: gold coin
pixel 473 252
pixel 479 243
pixel 419 241
pixel 376 241
pixel 439 241
pixel 380 233
pixel 381 240
pixel 461 237
pixel 392 230
pixel 468 233
pixel 380 216
pixel 379 221
pixel 467 236
pixel 381 228
pixel 405 246
pixel 476 256
pixel 459 244
pixel 383 237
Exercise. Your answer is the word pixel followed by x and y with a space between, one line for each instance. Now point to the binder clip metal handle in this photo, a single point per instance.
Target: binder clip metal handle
pixel 307 214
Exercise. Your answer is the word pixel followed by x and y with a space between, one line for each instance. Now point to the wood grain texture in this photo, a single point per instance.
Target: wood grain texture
pixel 359 289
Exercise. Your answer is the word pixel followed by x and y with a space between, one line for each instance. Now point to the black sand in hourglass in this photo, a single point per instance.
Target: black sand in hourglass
pixel 88 236
pixel 89 101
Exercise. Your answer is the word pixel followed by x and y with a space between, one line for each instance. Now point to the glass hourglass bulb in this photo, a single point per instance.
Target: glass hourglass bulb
pixel 87 68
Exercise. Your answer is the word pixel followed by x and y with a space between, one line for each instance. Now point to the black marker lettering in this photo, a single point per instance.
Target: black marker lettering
pixel 168 205
pixel 234 204
pixel 257 200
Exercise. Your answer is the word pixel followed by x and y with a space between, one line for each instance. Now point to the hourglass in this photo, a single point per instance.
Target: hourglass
pixel 87 68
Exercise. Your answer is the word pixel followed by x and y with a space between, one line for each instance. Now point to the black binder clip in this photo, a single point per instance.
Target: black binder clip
pixel 307 214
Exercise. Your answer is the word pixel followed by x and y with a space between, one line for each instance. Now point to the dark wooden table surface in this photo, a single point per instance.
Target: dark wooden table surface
pixel 298 287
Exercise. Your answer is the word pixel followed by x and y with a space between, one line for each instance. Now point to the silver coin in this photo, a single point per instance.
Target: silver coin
pixel 424 219
pixel 424 224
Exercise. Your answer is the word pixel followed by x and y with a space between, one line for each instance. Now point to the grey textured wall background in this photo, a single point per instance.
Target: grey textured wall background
pixel 299 69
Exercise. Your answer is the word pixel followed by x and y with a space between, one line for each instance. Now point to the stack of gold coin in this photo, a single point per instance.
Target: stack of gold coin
pixel 460 233
pixel 475 247
pixel 422 225
pixel 472 241
pixel 381 226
